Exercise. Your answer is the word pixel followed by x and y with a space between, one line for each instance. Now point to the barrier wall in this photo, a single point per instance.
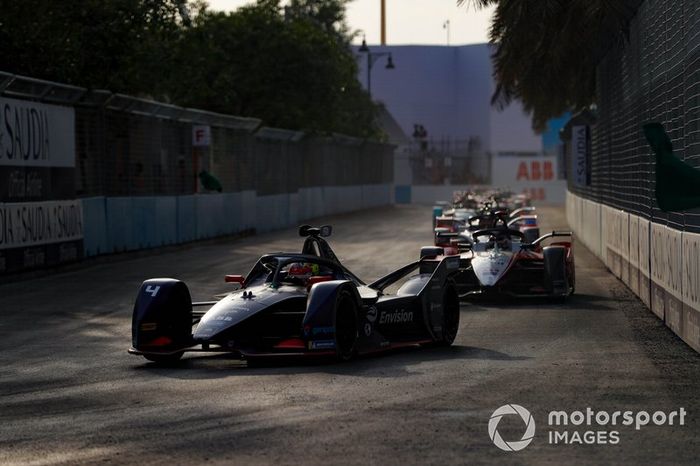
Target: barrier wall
pixel 660 264
pixel 151 174
pixel 118 224
pixel 429 194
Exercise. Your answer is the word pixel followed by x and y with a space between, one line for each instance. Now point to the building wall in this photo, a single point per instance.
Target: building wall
pixel 448 90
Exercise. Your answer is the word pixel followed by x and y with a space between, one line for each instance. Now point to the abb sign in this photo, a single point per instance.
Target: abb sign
pixel 535 170
pixel 535 176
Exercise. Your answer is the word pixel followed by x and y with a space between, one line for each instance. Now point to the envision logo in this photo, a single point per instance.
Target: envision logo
pixel 397 317
pixel 529 427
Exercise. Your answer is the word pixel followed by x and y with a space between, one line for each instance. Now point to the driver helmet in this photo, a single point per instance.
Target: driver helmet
pixel 492 241
pixel 303 270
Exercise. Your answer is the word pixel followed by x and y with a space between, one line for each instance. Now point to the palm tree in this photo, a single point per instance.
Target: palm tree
pixel 546 51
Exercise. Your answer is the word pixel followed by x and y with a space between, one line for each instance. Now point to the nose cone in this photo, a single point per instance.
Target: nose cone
pixel 490 268
pixel 228 312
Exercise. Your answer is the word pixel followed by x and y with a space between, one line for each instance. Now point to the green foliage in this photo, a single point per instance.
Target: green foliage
pixel 117 44
pixel 292 67
pixel 327 14
pixel 546 51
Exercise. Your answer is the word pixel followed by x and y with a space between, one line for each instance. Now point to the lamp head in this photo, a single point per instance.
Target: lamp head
pixel 363 48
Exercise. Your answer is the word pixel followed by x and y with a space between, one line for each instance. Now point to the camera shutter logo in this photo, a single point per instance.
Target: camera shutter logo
pixel 529 427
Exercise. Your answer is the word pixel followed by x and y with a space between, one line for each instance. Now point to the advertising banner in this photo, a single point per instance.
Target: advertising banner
pixel 37 234
pixel 579 147
pixel 41 223
pixel 535 176
pixel 36 135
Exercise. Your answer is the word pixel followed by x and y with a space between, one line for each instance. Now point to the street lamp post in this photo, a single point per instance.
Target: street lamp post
pixel 372 58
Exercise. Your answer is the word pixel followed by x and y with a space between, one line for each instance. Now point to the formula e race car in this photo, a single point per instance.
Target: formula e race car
pixel 500 261
pixel 523 219
pixel 300 304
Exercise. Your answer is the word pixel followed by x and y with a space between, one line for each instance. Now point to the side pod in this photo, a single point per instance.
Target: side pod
pixel 320 320
pixel 162 318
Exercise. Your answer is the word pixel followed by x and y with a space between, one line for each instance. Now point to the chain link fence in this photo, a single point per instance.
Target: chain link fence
pixel 455 162
pixel 126 146
pixel 654 76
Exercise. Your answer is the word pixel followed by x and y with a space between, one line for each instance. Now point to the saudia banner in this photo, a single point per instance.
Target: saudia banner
pixel 35 223
pixel 36 135
pixel 40 221
pixel 37 151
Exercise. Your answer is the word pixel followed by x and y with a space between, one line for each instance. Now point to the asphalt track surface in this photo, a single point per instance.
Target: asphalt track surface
pixel 70 394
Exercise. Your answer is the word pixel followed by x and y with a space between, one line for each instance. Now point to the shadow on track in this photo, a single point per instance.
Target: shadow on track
pixel 575 302
pixel 393 363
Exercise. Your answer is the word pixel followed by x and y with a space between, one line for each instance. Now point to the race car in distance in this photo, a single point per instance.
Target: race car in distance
pixel 500 261
pixel 449 228
pixel 300 304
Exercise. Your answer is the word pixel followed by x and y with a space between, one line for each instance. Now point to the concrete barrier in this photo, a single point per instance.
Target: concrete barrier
pixel 633 257
pixel 165 221
pixel 118 224
pixel 658 269
pixel 272 212
pixel 623 245
pixel 94 230
pixel 645 261
pixel 690 322
pixel 186 219
pixel 660 264
pixel 311 203
pixel 674 280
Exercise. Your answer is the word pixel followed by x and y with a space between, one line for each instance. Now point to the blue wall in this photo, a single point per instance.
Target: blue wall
pixel 117 224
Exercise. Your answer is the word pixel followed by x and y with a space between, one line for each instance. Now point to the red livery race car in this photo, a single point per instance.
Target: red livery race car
pixel 500 261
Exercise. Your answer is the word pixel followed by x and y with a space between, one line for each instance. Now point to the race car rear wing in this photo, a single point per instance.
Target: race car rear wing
pixel 394 276
pixel 526 220
pixel 523 211
pixel 445 266
pixel 444 237
pixel 547 236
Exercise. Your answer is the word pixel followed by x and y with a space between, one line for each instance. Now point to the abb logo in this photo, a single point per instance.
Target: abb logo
pixel 535 171
pixel 536 194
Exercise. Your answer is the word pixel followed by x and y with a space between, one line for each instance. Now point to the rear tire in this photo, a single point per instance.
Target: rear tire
pixel 345 326
pixel 164 358
pixel 450 316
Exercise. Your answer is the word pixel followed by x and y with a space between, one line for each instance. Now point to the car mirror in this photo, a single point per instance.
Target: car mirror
pixel 326 230
pixel 234 279
pixel 318 279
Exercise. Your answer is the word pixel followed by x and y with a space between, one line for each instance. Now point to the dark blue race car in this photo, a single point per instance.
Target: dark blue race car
pixel 300 304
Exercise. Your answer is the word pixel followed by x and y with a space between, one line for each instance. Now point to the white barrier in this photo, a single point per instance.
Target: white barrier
pixel 690 322
pixel 623 245
pixel 590 215
pixel 633 257
pixel 645 262
pixel 660 264
pixel 657 268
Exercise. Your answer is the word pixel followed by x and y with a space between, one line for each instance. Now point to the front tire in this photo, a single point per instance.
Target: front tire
pixel 345 326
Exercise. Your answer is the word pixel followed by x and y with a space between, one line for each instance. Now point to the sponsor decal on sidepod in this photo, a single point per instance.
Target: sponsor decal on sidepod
pixel 396 317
